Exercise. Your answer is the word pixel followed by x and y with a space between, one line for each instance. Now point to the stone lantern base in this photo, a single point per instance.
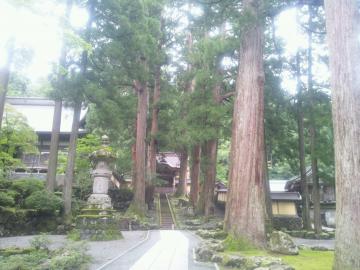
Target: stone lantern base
pixel 99 201
pixel 97 224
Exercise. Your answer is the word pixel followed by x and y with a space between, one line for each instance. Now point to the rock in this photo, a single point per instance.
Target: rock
pixel 217 258
pixel 320 248
pixel 303 247
pixel 281 267
pixel 282 243
pixel 193 222
pixel 215 234
pixel 235 261
pixel 204 254
pixel 61 229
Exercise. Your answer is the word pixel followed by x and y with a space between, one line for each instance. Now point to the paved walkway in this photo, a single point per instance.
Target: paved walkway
pixel 330 244
pixel 163 250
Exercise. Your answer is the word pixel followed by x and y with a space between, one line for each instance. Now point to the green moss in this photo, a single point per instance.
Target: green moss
pixel 135 212
pixel 307 259
pixel 15 251
pixel 107 235
pixel 74 235
pixel 311 260
pixel 233 243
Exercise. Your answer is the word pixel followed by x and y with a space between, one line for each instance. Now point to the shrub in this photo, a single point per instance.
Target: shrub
pixel 6 199
pixel 40 242
pixel 5 183
pixel 72 256
pixel 44 201
pixel 25 188
pixel 287 222
pixel 121 198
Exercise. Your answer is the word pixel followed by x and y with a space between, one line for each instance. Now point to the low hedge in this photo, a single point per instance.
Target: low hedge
pixel 287 222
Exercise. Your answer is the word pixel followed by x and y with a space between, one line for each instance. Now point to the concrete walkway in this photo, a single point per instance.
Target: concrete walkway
pixel 139 250
pixel 164 250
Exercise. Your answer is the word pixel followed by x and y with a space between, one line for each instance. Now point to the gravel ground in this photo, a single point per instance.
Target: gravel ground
pixel 330 244
pixel 100 251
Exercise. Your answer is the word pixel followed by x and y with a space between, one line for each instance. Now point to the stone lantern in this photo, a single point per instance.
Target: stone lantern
pixel 101 175
pixel 96 221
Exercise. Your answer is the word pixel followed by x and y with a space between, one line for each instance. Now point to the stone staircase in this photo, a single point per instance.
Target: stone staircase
pixel 166 222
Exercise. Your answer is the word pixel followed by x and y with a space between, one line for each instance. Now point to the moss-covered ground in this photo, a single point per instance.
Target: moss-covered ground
pixel 306 260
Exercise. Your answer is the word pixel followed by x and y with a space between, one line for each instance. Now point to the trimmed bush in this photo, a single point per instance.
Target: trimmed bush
pixel 44 201
pixel 121 198
pixel 288 222
pixel 6 199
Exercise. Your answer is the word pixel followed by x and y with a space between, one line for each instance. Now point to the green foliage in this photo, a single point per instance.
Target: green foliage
pixel 72 256
pixel 40 242
pixel 6 199
pixel 44 201
pixel 121 198
pixel 311 260
pixel 5 183
pixel 24 188
pixel 16 137
pixel 83 180
pixel 233 243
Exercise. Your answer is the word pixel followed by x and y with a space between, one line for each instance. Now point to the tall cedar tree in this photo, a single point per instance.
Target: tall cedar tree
pixel 71 158
pixel 245 208
pixel 343 28
pixel 56 124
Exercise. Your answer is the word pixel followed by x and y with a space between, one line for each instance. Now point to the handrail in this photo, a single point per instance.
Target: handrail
pixel 171 211
pixel 159 210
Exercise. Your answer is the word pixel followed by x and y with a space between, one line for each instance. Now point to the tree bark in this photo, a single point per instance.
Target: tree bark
pixel 195 175
pixel 314 167
pixel 55 132
pixel 208 166
pixel 138 203
pixel 181 188
pixel 343 28
pixel 54 145
pixel 301 145
pixel 245 207
pixel 70 166
pixel 4 78
pixel 154 125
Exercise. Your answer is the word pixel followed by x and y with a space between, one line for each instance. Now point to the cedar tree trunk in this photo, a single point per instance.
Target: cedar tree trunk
pixel 70 166
pixel 314 167
pixel 55 132
pixel 343 28
pixel 245 207
pixel 138 203
pixel 209 162
pixel 181 188
pixel 303 180
pixel 154 125
pixel 195 175
pixel 54 145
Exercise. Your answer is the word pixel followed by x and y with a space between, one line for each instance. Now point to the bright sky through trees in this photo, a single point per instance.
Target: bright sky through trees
pixel 38 29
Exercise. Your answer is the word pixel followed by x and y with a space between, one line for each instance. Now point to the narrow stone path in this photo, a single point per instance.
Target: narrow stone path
pixel 164 250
